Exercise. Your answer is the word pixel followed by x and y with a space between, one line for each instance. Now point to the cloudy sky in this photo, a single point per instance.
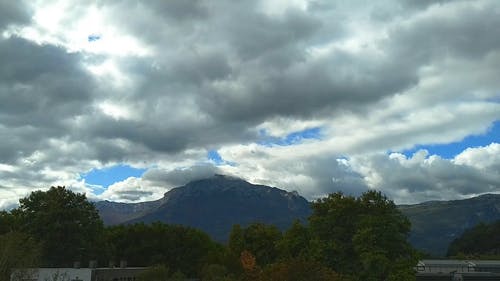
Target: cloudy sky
pixel 124 100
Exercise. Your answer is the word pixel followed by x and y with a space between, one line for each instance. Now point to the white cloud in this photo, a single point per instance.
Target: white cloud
pixel 70 24
pixel 168 81
pixel 486 158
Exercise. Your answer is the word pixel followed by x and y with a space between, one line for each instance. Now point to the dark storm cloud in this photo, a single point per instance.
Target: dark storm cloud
pixel 468 32
pixel 13 12
pixel 265 59
pixel 41 88
pixel 341 82
pixel 255 34
pixel 236 67
pixel 165 134
pixel 426 3
pixel 194 68
pixel 181 10
pixel 35 79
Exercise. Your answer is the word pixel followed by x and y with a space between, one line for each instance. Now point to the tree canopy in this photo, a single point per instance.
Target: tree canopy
pixel 182 249
pixel 364 237
pixel 66 224
pixel 259 239
pixel 17 250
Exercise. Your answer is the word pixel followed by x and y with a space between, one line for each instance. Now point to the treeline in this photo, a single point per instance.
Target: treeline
pixel 479 242
pixel 346 238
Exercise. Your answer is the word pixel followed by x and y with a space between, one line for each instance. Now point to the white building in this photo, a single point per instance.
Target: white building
pixel 77 274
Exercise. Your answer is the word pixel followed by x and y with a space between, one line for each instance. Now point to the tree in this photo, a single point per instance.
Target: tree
pixel 259 239
pixel 215 272
pixel 17 250
pixel 182 248
pixel 333 224
pixel 364 237
pixel 8 222
pixel 296 242
pixel 155 273
pixel 380 240
pixel 65 223
pixel 299 270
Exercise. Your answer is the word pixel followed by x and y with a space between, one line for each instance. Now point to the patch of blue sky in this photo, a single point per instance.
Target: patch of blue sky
pixel 93 37
pixel 450 150
pixel 110 175
pixel 214 157
pixel 290 139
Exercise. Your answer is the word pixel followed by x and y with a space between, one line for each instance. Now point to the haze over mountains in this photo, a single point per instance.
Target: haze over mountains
pixel 215 204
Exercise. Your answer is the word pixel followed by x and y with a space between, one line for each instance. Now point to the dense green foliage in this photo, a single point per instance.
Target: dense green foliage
pixel 364 237
pixel 181 248
pixel 17 250
pixel 259 239
pixel 481 241
pixel 65 223
pixel 347 238
pixel 299 270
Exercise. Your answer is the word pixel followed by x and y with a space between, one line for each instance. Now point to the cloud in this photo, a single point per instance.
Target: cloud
pixel 167 82
pixel 13 12
pixel 155 182
pixel 483 158
pixel 178 177
pixel 429 177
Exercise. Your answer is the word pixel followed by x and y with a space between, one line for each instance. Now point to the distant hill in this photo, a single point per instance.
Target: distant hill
pixel 213 205
pixel 481 240
pixel 116 213
pixel 436 224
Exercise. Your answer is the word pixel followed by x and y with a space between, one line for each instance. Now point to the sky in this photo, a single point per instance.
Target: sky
pixel 123 100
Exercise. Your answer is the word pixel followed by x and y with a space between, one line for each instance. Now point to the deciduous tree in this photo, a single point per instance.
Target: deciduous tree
pixel 66 224
pixel 364 237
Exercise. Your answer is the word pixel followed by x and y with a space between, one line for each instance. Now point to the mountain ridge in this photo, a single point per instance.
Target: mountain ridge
pixel 215 204
pixel 435 224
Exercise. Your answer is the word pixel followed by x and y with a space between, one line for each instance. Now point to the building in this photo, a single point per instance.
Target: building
pixel 458 270
pixel 121 273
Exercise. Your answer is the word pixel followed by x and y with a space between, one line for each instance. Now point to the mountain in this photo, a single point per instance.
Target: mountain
pixel 436 224
pixel 116 213
pixel 213 205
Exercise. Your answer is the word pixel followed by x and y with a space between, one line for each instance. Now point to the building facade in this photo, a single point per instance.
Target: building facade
pixel 77 274
pixel 458 270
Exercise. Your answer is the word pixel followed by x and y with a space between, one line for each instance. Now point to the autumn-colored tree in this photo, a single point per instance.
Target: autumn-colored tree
pixel 251 270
